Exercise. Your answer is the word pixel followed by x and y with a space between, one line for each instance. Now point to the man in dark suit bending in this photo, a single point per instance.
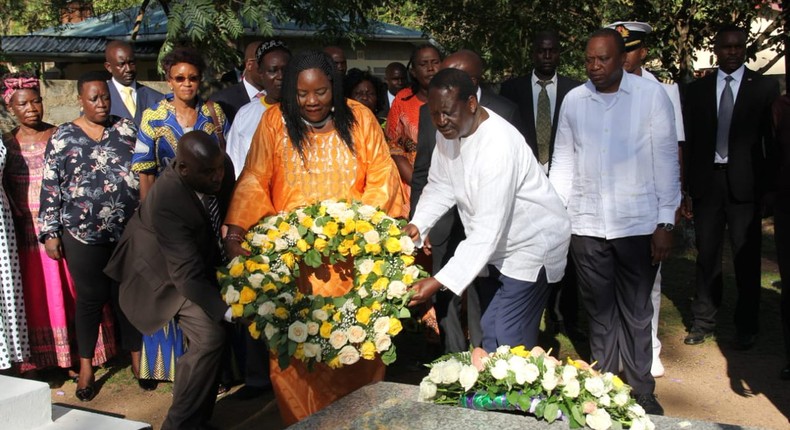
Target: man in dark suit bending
pixel 128 98
pixel 166 264
pixel 449 231
pixel 730 165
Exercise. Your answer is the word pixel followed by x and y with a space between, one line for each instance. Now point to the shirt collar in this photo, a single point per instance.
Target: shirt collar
pixel 479 93
pixel 626 85
pixel 535 79
pixel 119 86
pixel 251 90
pixel 737 75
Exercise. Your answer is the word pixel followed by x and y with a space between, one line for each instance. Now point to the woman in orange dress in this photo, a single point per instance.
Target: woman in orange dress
pixel 315 145
pixel 404 116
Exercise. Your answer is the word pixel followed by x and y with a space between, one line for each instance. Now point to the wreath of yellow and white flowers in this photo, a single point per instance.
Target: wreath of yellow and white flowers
pixel 338 331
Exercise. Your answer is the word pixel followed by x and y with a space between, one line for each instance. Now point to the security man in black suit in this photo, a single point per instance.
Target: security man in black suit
pixel 232 98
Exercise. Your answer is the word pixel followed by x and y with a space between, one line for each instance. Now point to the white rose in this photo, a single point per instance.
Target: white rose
pixel 642 423
pixel 347 215
pixel 366 266
pixel 605 401
pixel 451 371
pixel 259 239
pixel 372 237
pixel 436 373
pixel 468 377
pixel 231 295
pixel 549 381
pixel 338 338
pixel 381 325
pixel 599 420
pixel 595 386
pixel 256 279
pixel 396 289
pixel 336 209
pixel 312 350
pixel 356 334
pixel 266 308
pixel 280 244
pixel 297 332
pixel 499 369
pixel 571 388
pixel 427 390
pixel 531 373
pixel 348 355
pixel 636 411
pixel 286 297
pixel 317 229
pixel 312 328
pixel 320 315
pixel 550 365
pixel 518 365
pixel 406 245
pixel 621 398
pixel 383 343
pixel 412 271
pixel 300 215
pixel 269 330
pixel 366 212
pixel 362 293
pixel 503 349
pixel 569 373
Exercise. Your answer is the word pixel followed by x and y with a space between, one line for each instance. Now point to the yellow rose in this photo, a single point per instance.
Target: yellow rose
pixel 254 332
pixel 299 353
pixel 408 280
pixel 334 363
pixel 250 265
pixel 246 246
pixel 283 227
pixel 394 231
pixel 288 259
pixel 337 316
pixel 378 267
pixel 370 248
pixel 269 287
pixel 322 210
pixel 355 249
pixel 304 312
pixel 395 326
pixel 408 260
pixel 281 313
pixel 361 279
pixel 307 222
pixel 392 245
pixel 348 228
pixel 247 295
pixel 299 296
pixel 381 284
pixel 236 270
pixel 363 315
pixel 617 382
pixel 285 279
pixel 377 217
pixel 520 351
pixel 363 227
pixel 263 267
pixel 237 310
pixel 375 306
pixel 302 245
pixel 320 244
pixel 368 350
pixel 326 329
pixel 330 229
pixel 272 234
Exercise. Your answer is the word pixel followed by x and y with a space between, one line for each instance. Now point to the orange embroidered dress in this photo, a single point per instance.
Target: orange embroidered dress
pixel 275 179
pixel 402 126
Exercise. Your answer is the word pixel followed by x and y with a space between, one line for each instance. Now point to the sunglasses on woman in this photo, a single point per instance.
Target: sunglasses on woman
pixel 180 79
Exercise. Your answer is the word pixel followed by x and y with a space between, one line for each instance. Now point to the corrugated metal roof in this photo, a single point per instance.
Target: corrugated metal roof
pixel 89 37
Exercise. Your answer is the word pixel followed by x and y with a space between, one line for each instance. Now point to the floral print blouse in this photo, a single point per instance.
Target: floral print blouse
pixel 89 188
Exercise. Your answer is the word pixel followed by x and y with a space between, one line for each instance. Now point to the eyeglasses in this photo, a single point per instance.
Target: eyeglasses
pixel 180 79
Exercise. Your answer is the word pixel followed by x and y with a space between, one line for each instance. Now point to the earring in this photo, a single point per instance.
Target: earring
pixel 333 109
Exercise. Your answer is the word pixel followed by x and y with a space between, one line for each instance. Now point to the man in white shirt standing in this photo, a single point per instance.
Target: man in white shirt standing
pixel 516 228
pixel 634 34
pixel 232 98
pixel 615 165
pixel 271 58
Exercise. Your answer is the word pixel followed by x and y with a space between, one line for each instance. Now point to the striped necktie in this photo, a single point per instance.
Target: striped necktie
pixel 216 221
pixel 543 123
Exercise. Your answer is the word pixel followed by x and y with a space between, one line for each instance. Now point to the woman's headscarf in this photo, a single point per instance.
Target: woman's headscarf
pixel 14 83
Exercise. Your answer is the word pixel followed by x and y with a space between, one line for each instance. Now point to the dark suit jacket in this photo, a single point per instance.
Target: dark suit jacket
pixel 231 99
pixel 168 254
pixel 752 161
pixel 519 90
pixel 426 138
pixel 146 97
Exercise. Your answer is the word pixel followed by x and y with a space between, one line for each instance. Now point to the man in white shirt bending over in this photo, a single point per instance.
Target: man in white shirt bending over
pixel 517 231
pixel 615 165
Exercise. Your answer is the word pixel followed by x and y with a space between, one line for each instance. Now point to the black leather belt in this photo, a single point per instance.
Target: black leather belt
pixel 719 166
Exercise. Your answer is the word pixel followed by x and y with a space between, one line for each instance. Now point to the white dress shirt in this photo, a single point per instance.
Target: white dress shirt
pixel 616 167
pixel 241 132
pixel 251 90
pixel 674 96
pixel 390 98
pixel 735 84
pixel 121 88
pixel 551 90
pixel 512 217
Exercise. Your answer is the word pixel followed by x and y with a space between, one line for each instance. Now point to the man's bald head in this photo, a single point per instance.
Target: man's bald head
pixel 200 162
pixel 468 61
pixel 339 58
pixel 251 73
pixel 119 61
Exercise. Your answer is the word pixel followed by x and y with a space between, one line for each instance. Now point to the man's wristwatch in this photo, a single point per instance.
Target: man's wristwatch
pixel 666 226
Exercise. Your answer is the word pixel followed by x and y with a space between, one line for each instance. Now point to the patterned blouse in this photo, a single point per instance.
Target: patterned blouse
pixel 89 188
pixel 159 133
pixel 403 124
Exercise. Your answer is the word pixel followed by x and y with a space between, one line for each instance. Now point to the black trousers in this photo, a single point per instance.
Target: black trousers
pixel 712 213
pixel 94 289
pixel 782 237
pixel 615 280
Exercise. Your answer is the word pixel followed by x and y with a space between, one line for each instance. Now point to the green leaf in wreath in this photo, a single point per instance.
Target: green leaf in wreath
pixel 302 230
pixel 312 258
pixel 577 416
pixel 524 402
pixel 540 408
pixel 404 313
pixel 389 356
pixel 284 360
pixel 318 302
pixel 550 412
pixel 291 348
pixel 339 301
pixel 616 425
